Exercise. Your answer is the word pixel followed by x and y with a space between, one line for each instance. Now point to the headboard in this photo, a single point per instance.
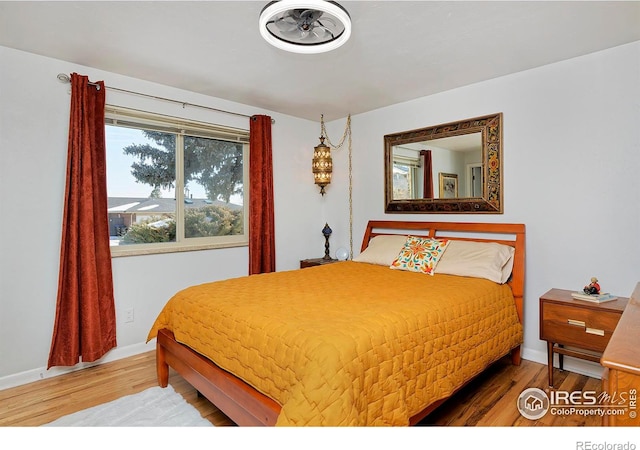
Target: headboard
pixel 512 234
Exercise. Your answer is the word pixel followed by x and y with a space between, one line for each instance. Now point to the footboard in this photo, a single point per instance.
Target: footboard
pixel 239 401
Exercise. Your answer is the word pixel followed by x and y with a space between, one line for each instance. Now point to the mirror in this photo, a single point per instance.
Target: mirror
pixel 448 168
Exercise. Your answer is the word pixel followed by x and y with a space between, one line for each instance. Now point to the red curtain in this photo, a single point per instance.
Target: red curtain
pixel 262 245
pixel 428 174
pixel 85 323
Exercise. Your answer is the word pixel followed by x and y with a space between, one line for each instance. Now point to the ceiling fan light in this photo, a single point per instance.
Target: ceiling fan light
pixel 332 17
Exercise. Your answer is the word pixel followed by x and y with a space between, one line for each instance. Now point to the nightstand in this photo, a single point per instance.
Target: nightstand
pixel 315 262
pixel 584 326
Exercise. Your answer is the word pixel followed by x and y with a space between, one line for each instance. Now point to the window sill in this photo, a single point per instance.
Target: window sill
pixel 141 250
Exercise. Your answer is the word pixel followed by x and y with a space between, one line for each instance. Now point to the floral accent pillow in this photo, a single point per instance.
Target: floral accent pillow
pixel 420 254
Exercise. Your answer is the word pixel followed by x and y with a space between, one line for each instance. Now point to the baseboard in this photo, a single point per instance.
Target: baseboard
pixel 42 373
pixel 576 365
pixel 571 364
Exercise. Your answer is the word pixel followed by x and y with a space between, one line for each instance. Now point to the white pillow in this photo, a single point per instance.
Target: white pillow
pixel 488 260
pixel 382 249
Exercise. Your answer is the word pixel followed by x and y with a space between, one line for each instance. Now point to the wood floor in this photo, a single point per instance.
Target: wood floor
pixel 490 400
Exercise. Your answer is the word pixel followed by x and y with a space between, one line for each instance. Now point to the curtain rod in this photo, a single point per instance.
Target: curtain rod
pixel 64 78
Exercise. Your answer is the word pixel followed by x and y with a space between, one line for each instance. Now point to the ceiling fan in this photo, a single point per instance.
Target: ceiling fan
pixel 305 26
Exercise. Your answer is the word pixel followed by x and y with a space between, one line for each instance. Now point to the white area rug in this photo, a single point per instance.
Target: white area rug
pixel 155 407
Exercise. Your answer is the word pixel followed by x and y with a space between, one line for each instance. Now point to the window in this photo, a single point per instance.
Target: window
pixel 174 185
pixel 406 176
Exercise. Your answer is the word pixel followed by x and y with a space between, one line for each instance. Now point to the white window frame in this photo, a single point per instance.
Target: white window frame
pixel 414 166
pixel 126 117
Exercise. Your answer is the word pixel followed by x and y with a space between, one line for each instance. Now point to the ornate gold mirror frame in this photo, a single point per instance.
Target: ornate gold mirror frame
pixel 490 202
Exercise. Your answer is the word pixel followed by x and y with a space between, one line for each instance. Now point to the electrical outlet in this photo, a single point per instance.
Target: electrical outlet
pixel 128 315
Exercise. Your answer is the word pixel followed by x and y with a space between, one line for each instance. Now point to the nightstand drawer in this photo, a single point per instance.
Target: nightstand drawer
pixel 605 320
pixel 585 328
pixel 573 335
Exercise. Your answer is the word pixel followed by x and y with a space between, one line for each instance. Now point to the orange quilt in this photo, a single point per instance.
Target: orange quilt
pixel 347 343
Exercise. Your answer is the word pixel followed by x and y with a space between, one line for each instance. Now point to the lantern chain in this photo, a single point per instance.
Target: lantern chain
pixel 347 134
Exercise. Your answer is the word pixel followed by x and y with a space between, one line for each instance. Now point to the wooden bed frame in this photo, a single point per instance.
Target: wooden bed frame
pixel 246 406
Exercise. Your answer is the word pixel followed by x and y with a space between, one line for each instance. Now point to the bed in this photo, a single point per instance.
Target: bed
pixel 353 343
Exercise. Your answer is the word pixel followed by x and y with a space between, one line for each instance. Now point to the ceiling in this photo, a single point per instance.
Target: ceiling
pixel 399 50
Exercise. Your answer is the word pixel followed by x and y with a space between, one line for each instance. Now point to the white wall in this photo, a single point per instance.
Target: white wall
pixel 571 162
pixel 34 117
pixel 571 170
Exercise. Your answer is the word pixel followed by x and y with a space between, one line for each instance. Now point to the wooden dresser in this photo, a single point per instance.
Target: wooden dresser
pixel 621 360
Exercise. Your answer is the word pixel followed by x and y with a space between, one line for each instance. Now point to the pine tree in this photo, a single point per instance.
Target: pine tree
pixel 214 164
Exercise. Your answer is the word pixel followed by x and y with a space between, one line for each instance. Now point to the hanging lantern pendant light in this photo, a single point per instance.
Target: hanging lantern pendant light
pixel 322 165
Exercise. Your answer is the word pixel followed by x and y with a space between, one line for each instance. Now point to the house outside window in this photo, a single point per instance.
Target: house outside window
pixel 173 184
